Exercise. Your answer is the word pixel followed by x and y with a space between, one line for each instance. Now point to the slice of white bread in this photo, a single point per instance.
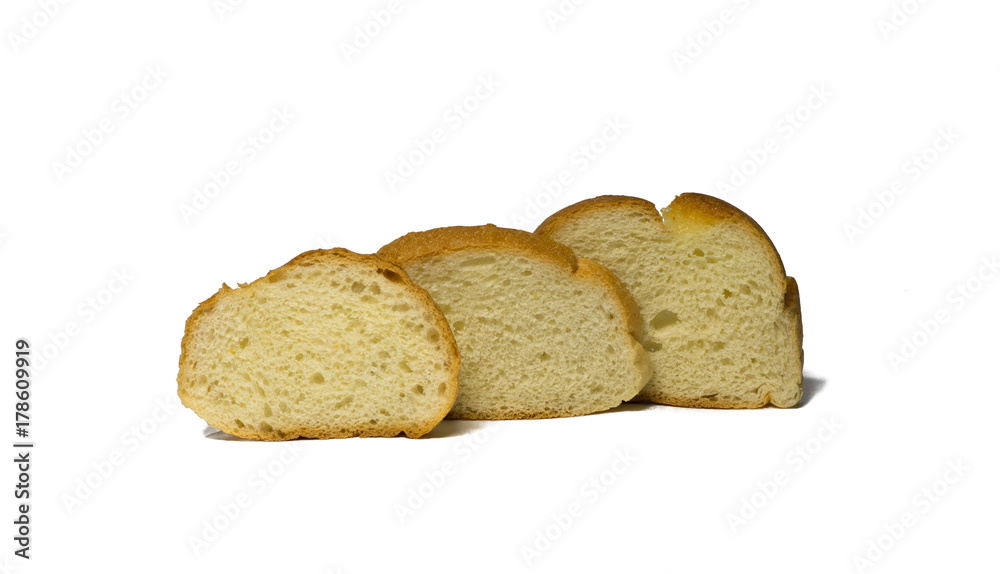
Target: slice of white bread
pixel 722 322
pixel 332 344
pixel 541 333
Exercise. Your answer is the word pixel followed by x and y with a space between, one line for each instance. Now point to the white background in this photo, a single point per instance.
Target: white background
pixel 321 182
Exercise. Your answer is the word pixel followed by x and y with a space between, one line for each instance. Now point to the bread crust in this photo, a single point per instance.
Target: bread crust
pixel 571 212
pixel 395 273
pixel 709 210
pixel 418 245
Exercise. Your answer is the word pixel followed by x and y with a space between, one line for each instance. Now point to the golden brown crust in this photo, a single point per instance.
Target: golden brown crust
pixel 704 403
pixel 714 210
pixel 389 270
pixel 419 244
pixel 567 214
pixel 793 308
pixel 703 209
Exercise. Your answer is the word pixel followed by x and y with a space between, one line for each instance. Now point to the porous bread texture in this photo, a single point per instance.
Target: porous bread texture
pixel 332 344
pixel 722 322
pixel 541 333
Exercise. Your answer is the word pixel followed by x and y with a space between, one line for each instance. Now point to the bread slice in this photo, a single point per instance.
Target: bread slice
pixel 541 333
pixel 332 344
pixel 722 321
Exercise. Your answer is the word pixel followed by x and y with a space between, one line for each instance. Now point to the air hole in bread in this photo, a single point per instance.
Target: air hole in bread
pixel 391 275
pixel 317 378
pixel 478 261
pixel 663 319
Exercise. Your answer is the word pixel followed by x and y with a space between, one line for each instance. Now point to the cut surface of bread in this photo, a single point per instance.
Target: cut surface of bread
pixel 541 333
pixel 722 322
pixel 332 344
